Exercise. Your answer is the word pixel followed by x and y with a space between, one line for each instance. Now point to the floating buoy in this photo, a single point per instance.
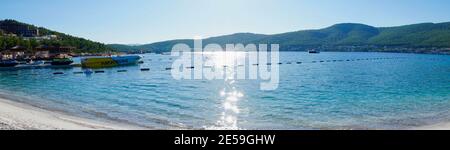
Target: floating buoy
pixel 77 72
pixel 288 63
pixel 145 69
pixel 140 62
pixel 322 61
pixel 169 68
pixel 88 72
pixel 280 63
pixel 255 64
pixel 299 62
pixel 121 70
pixel 190 67
pixel 314 61
pixel 56 73
pixel 100 71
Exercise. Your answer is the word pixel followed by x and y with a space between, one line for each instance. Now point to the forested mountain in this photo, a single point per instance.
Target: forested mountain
pixel 421 38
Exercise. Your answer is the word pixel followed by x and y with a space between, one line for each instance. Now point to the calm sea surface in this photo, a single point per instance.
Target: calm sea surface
pixel 345 91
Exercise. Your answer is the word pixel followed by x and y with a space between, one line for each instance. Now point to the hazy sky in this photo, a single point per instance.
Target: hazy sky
pixel 147 21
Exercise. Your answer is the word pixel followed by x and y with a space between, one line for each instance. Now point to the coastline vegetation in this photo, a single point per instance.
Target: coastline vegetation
pixel 45 37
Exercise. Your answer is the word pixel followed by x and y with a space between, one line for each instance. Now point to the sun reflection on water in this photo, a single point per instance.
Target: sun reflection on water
pixel 230 103
pixel 229 95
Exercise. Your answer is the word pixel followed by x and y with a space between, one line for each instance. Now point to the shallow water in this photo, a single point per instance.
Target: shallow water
pixel 345 91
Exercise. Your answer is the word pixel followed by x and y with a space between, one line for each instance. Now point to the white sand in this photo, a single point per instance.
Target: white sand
pixel 18 116
pixel 439 126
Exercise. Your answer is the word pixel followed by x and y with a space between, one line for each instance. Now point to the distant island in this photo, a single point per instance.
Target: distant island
pixel 417 38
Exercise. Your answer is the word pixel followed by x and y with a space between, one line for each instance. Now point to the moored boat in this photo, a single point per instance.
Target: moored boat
pixel 61 61
pixel 36 63
pixel 102 62
pixel 8 63
pixel 166 53
pixel 313 51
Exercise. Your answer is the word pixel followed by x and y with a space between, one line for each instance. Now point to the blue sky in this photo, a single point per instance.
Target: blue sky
pixel 147 21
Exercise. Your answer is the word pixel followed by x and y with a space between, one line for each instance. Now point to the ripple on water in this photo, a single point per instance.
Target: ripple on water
pixel 332 94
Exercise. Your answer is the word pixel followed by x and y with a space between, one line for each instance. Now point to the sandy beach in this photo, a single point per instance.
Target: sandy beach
pixel 18 116
pixel 439 126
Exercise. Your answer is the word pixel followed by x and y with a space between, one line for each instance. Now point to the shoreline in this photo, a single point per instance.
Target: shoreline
pixel 21 116
pixel 438 126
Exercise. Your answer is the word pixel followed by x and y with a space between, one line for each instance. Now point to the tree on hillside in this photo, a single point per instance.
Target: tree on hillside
pixel 83 45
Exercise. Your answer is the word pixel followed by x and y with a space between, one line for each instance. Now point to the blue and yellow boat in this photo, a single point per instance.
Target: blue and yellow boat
pixel 103 62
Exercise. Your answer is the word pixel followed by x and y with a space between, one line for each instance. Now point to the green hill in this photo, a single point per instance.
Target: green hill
pixel 419 38
pixel 340 34
pixel 166 46
pixel 418 35
pixel 422 38
pixel 14 33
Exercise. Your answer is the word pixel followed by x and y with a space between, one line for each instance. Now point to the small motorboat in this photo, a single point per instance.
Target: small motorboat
pixel 313 51
pixel 8 63
pixel 166 53
pixel 36 63
pixel 61 61
pixel 32 64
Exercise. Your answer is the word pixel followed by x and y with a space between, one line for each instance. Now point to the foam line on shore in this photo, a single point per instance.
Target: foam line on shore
pixel 19 116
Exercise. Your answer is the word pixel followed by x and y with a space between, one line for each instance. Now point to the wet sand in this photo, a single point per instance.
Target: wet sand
pixel 19 116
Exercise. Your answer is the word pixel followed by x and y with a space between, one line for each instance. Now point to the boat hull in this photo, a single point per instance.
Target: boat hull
pixel 9 64
pixel 61 62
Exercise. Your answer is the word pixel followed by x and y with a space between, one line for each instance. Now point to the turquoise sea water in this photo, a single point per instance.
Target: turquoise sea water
pixel 345 91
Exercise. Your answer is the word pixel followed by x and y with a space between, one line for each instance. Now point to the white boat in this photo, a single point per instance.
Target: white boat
pixel 313 51
pixel 36 63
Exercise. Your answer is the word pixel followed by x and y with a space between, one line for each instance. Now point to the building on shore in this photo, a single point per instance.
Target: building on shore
pixel 16 52
pixel 41 38
pixel 21 30
pixel 40 52
pixel 45 52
